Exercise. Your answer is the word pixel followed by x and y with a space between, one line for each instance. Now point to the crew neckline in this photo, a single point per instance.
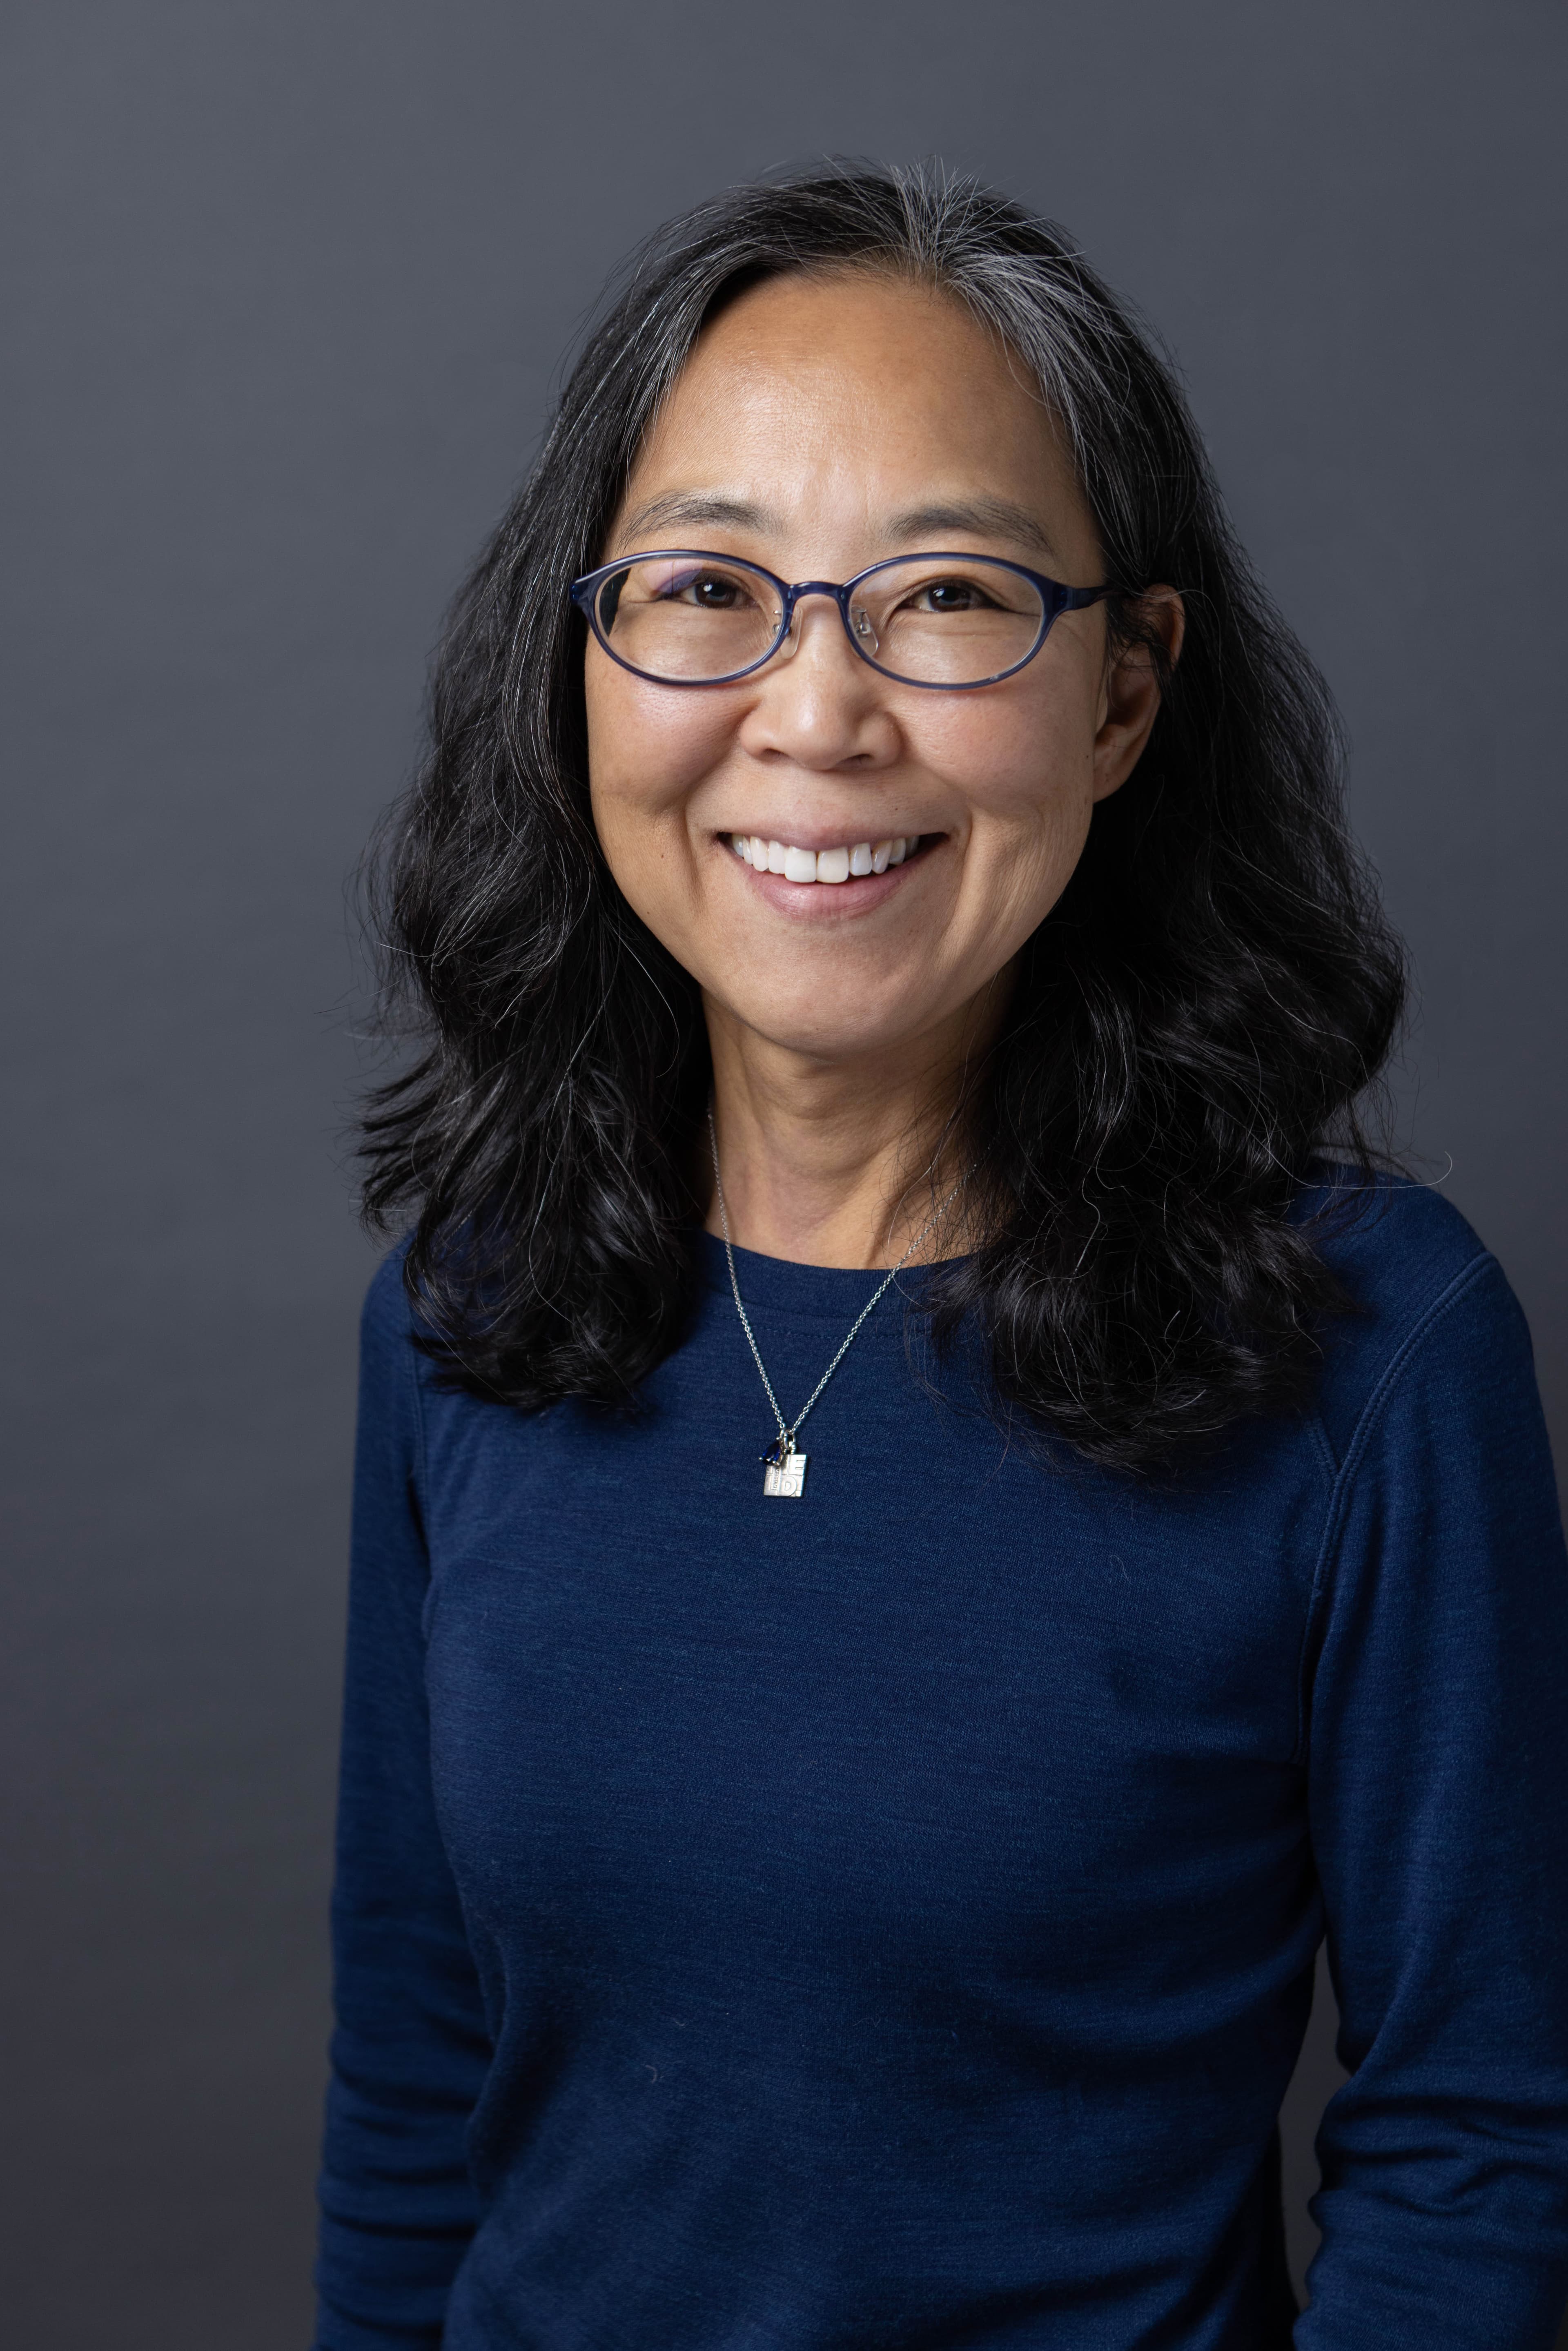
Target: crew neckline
pixel 780 1283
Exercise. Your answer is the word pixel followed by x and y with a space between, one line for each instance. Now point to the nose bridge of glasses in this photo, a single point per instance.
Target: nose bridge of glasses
pixel 856 619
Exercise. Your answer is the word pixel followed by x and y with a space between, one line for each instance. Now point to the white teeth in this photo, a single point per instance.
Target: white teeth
pixel 831 865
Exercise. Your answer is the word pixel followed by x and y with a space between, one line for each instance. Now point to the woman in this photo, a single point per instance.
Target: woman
pixel 925 1523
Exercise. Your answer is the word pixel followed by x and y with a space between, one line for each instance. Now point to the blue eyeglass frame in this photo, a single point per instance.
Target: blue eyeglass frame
pixel 1054 599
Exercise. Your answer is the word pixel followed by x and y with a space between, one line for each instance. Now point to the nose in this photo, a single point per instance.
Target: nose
pixel 859 619
pixel 815 704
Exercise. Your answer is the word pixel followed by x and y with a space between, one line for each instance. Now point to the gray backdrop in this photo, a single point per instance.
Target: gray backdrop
pixel 291 288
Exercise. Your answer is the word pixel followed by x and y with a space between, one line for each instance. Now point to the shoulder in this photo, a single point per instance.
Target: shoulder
pixel 387 1324
pixel 387 1312
pixel 1394 1243
pixel 1420 1281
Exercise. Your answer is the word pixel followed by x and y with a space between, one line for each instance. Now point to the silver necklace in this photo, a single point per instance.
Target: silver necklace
pixel 783 1468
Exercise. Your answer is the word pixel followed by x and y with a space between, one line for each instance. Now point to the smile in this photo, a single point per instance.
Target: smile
pixel 853 860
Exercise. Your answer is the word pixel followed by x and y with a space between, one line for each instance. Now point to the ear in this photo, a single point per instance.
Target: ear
pixel 1130 694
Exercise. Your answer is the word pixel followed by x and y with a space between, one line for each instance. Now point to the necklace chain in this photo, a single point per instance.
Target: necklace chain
pixel 788 1431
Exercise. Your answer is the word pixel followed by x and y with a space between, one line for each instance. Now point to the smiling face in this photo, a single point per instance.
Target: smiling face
pixel 821 425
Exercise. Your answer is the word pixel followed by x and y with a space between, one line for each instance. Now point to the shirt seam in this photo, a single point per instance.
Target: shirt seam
pixel 1355 1452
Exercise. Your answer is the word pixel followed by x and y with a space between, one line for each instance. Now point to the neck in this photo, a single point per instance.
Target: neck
pixel 841 1162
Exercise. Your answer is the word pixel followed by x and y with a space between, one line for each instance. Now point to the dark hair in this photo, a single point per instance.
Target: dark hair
pixel 1201 1008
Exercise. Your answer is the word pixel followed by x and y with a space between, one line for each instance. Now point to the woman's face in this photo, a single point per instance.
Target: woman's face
pixel 821 425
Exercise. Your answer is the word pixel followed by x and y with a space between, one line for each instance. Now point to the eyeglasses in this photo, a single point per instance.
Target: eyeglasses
pixel 682 617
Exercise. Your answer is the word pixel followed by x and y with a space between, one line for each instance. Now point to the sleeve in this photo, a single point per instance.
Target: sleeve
pixel 1438 1777
pixel 409 2048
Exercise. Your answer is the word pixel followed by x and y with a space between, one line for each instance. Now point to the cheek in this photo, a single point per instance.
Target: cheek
pixel 649 749
pixel 1024 762
pixel 647 745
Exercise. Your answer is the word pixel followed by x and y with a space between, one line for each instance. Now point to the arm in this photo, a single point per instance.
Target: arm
pixel 1439 1779
pixel 409 2050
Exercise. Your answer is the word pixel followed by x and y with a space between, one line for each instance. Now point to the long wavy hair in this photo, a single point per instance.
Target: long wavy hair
pixel 1196 1016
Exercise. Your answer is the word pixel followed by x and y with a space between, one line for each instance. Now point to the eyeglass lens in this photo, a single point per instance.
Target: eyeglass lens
pixel 935 622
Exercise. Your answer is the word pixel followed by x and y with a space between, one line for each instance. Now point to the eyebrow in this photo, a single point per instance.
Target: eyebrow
pixel 986 518
pixel 698 506
pixel 983 517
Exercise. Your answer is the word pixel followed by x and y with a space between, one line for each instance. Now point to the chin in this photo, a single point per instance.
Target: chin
pixel 837 1034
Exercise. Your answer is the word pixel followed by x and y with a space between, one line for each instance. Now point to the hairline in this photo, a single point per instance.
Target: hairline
pixel 907 270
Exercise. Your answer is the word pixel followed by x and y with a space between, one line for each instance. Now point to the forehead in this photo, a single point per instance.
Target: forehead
pixel 857 386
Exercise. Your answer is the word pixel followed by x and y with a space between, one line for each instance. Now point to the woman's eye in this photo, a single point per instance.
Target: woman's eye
pixel 951 596
pixel 710 591
pixel 705 591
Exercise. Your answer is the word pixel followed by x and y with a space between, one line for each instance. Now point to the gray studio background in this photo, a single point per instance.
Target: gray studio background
pixel 290 287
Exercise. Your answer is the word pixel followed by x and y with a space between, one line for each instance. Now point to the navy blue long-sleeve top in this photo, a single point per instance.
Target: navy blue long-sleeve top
pixel 885 1920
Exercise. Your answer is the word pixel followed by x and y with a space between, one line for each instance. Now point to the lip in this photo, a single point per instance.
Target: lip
pixel 824 902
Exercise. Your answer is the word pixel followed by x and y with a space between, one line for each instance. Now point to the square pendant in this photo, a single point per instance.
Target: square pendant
pixel 786 1477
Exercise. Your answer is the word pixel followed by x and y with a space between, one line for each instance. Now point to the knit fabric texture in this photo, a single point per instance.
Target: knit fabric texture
pixel 885 1920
